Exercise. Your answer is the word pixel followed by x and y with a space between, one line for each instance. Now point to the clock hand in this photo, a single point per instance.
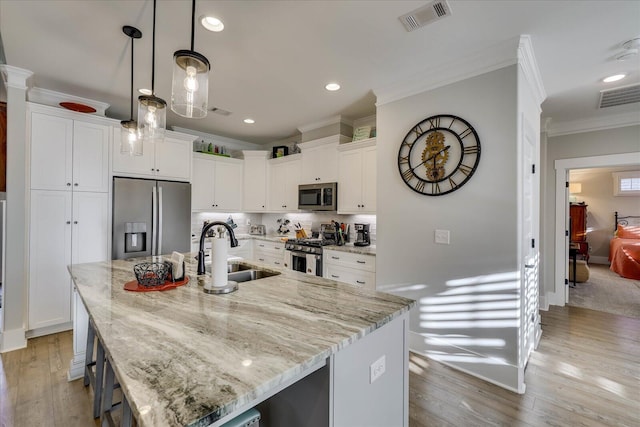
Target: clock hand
pixel 432 157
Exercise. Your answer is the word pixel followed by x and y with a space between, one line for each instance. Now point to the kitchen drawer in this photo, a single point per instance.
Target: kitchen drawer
pixel 274 261
pixel 352 260
pixel 365 279
pixel 268 248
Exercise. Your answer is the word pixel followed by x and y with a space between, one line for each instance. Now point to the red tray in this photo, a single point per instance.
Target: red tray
pixel 134 286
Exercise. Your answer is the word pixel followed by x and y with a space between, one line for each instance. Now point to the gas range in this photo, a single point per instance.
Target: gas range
pixel 310 245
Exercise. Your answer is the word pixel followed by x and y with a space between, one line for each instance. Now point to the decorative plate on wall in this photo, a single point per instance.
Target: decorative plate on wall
pixel 74 106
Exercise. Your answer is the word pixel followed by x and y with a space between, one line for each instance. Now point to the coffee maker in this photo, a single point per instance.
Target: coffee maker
pixel 362 235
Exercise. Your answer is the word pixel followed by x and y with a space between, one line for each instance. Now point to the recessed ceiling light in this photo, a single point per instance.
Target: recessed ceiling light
pixel 332 87
pixel 212 23
pixel 614 78
pixel 145 91
pixel 249 121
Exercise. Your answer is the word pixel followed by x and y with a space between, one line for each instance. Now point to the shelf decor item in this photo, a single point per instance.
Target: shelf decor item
pixel 81 108
pixel 280 151
pixel 152 111
pixel 361 133
pixel 130 140
pixel 190 87
pixel 151 273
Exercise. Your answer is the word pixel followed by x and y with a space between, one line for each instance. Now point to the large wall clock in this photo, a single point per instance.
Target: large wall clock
pixel 439 155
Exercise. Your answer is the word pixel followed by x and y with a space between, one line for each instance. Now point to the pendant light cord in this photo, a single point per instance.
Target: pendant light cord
pixel 153 51
pixel 131 95
pixel 193 22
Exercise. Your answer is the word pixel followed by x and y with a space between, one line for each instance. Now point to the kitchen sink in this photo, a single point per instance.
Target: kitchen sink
pixel 248 275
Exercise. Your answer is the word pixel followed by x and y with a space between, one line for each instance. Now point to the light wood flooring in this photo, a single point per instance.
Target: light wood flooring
pixel 586 372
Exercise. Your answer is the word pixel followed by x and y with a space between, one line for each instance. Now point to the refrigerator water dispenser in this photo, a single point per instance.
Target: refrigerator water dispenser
pixel 135 237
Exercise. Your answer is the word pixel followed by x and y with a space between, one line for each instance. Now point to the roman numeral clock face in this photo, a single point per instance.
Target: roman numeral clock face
pixel 439 155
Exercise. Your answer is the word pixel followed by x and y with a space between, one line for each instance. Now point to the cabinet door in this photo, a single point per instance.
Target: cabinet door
pixel 90 157
pixel 369 176
pixel 277 183
pixel 90 227
pixel 173 159
pixel 202 188
pixel 254 185
pixel 133 165
pixel 51 152
pixel 49 256
pixel 350 181
pixel 291 183
pixel 228 185
pixel 319 164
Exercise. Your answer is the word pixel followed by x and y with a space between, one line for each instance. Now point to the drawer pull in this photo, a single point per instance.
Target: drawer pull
pixel 359 282
pixel 361 262
pixel 335 257
pixel 276 262
pixel 335 277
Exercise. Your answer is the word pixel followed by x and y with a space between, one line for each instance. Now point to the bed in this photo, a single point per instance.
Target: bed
pixel 624 248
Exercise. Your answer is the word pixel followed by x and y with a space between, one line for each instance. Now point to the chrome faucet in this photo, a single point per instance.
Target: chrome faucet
pixel 232 238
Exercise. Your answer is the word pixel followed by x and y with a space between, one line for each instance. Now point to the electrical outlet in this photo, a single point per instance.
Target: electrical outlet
pixel 442 237
pixel 376 369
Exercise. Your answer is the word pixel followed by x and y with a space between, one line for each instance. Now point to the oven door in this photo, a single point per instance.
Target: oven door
pixel 298 261
pixel 306 263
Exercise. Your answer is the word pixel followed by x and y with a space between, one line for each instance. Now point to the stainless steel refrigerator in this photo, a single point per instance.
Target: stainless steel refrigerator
pixel 150 217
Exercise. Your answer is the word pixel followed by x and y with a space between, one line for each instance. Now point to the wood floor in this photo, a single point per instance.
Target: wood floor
pixel 586 372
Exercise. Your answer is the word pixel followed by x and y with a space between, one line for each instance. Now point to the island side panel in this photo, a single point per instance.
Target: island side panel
pixel 382 356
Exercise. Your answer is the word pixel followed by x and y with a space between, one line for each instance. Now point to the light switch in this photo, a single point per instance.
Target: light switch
pixel 442 237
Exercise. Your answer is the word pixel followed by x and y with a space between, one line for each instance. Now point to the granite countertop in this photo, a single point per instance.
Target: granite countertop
pixel 185 357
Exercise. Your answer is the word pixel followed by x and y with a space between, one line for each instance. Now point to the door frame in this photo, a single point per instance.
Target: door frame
pixel 560 294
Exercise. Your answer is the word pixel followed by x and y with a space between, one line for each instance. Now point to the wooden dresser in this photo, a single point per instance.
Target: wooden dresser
pixel 578 215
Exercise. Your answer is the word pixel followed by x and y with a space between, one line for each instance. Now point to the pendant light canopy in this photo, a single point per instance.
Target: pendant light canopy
pixel 130 140
pixel 190 87
pixel 152 111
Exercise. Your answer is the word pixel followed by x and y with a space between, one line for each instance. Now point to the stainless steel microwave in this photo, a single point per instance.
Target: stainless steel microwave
pixel 318 197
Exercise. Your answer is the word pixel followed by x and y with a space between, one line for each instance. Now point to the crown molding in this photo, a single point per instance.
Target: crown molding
pixel 15 77
pixel 593 124
pixel 476 63
pixel 320 124
pixel 527 60
pixel 39 95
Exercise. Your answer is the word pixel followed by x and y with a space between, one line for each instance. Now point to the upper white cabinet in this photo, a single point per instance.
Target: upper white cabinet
pixel 169 159
pixel 217 183
pixel 357 177
pixel 284 178
pixel 320 159
pixel 68 154
pixel 255 181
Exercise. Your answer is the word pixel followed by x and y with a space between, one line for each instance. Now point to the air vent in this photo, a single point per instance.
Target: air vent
pixel 620 96
pixel 425 15
pixel 220 111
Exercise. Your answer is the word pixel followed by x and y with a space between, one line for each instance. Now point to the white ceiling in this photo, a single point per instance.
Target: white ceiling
pixel 274 57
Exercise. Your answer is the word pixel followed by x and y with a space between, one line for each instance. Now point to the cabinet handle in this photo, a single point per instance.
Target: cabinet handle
pixel 276 247
pixel 335 257
pixel 262 246
pixel 75 185
pixel 152 169
pixel 276 262
pixel 286 265
pixel 361 262
pixel 68 184
pixel 260 259
pixel 75 222
pixel 334 276
pixel 157 170
pixel 68 222
pixel 359 282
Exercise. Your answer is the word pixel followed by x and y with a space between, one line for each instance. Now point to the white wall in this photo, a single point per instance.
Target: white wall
pixel 467 291
pixel 573 146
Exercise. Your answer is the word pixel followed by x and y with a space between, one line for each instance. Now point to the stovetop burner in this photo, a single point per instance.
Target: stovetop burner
pixel 311 242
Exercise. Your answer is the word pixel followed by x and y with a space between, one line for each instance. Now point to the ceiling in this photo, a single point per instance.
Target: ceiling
pixel 273 58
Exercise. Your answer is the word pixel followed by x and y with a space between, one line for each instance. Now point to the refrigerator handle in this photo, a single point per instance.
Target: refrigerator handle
pixel 154 216
pixel 160 208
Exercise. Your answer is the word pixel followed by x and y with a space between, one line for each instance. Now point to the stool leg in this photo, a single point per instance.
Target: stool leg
pixel 127 417
pixel 98 386
pixel 107 395
pixel 88 361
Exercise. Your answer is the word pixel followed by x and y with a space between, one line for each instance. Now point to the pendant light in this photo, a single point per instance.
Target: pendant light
pixel 190 87
pixel 130 141
pixel 152 111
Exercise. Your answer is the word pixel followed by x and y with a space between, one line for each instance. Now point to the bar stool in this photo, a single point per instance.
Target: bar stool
pixel 91 377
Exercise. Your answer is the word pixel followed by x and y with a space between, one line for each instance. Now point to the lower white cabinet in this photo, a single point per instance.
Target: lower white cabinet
pixel 271 253
pixel 355 269
pixel 65 228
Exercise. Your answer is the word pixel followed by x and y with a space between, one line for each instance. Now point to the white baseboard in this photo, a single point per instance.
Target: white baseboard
pixel 48 330
pixel 76 367
pixel 13 339
pixel 595 259
pixel 484 367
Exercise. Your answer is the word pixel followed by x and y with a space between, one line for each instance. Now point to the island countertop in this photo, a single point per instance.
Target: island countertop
pixel 185 357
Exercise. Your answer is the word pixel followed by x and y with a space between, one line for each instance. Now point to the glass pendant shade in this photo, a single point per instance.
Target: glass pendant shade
pixel 190 87
pixel 152 118
pixel 130 141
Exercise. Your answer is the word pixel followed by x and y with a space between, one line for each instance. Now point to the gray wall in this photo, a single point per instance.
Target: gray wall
pixel 466 290
pixel 586 144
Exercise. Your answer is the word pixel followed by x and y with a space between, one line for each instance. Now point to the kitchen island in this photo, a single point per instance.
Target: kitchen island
pixel 303 350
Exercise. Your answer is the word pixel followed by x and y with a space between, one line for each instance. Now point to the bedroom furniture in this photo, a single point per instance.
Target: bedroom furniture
pixel 578 215
pixel 624 247
pixel 573 251
pixel 580 273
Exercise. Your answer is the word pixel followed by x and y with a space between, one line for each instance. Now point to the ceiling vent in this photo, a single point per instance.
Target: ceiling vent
pixel 425 15
pixel 220 111
pixel 619 96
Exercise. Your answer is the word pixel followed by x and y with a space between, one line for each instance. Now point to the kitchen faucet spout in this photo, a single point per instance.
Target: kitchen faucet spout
pixel 232 239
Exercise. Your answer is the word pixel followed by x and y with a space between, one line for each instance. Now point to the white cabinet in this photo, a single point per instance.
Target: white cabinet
pixel 320 160
pixel 254 194
pixel 271 253
pixel 357 178
pixel 284 178
pixel 169 159
pixel 217 183
pixel 65 228
pixel 68 154
pixel 353 268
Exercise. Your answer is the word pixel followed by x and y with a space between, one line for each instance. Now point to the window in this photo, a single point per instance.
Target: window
pixel 626 183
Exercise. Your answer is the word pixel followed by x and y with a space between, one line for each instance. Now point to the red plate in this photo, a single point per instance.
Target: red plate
pixel 74 106
pixel 134 286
